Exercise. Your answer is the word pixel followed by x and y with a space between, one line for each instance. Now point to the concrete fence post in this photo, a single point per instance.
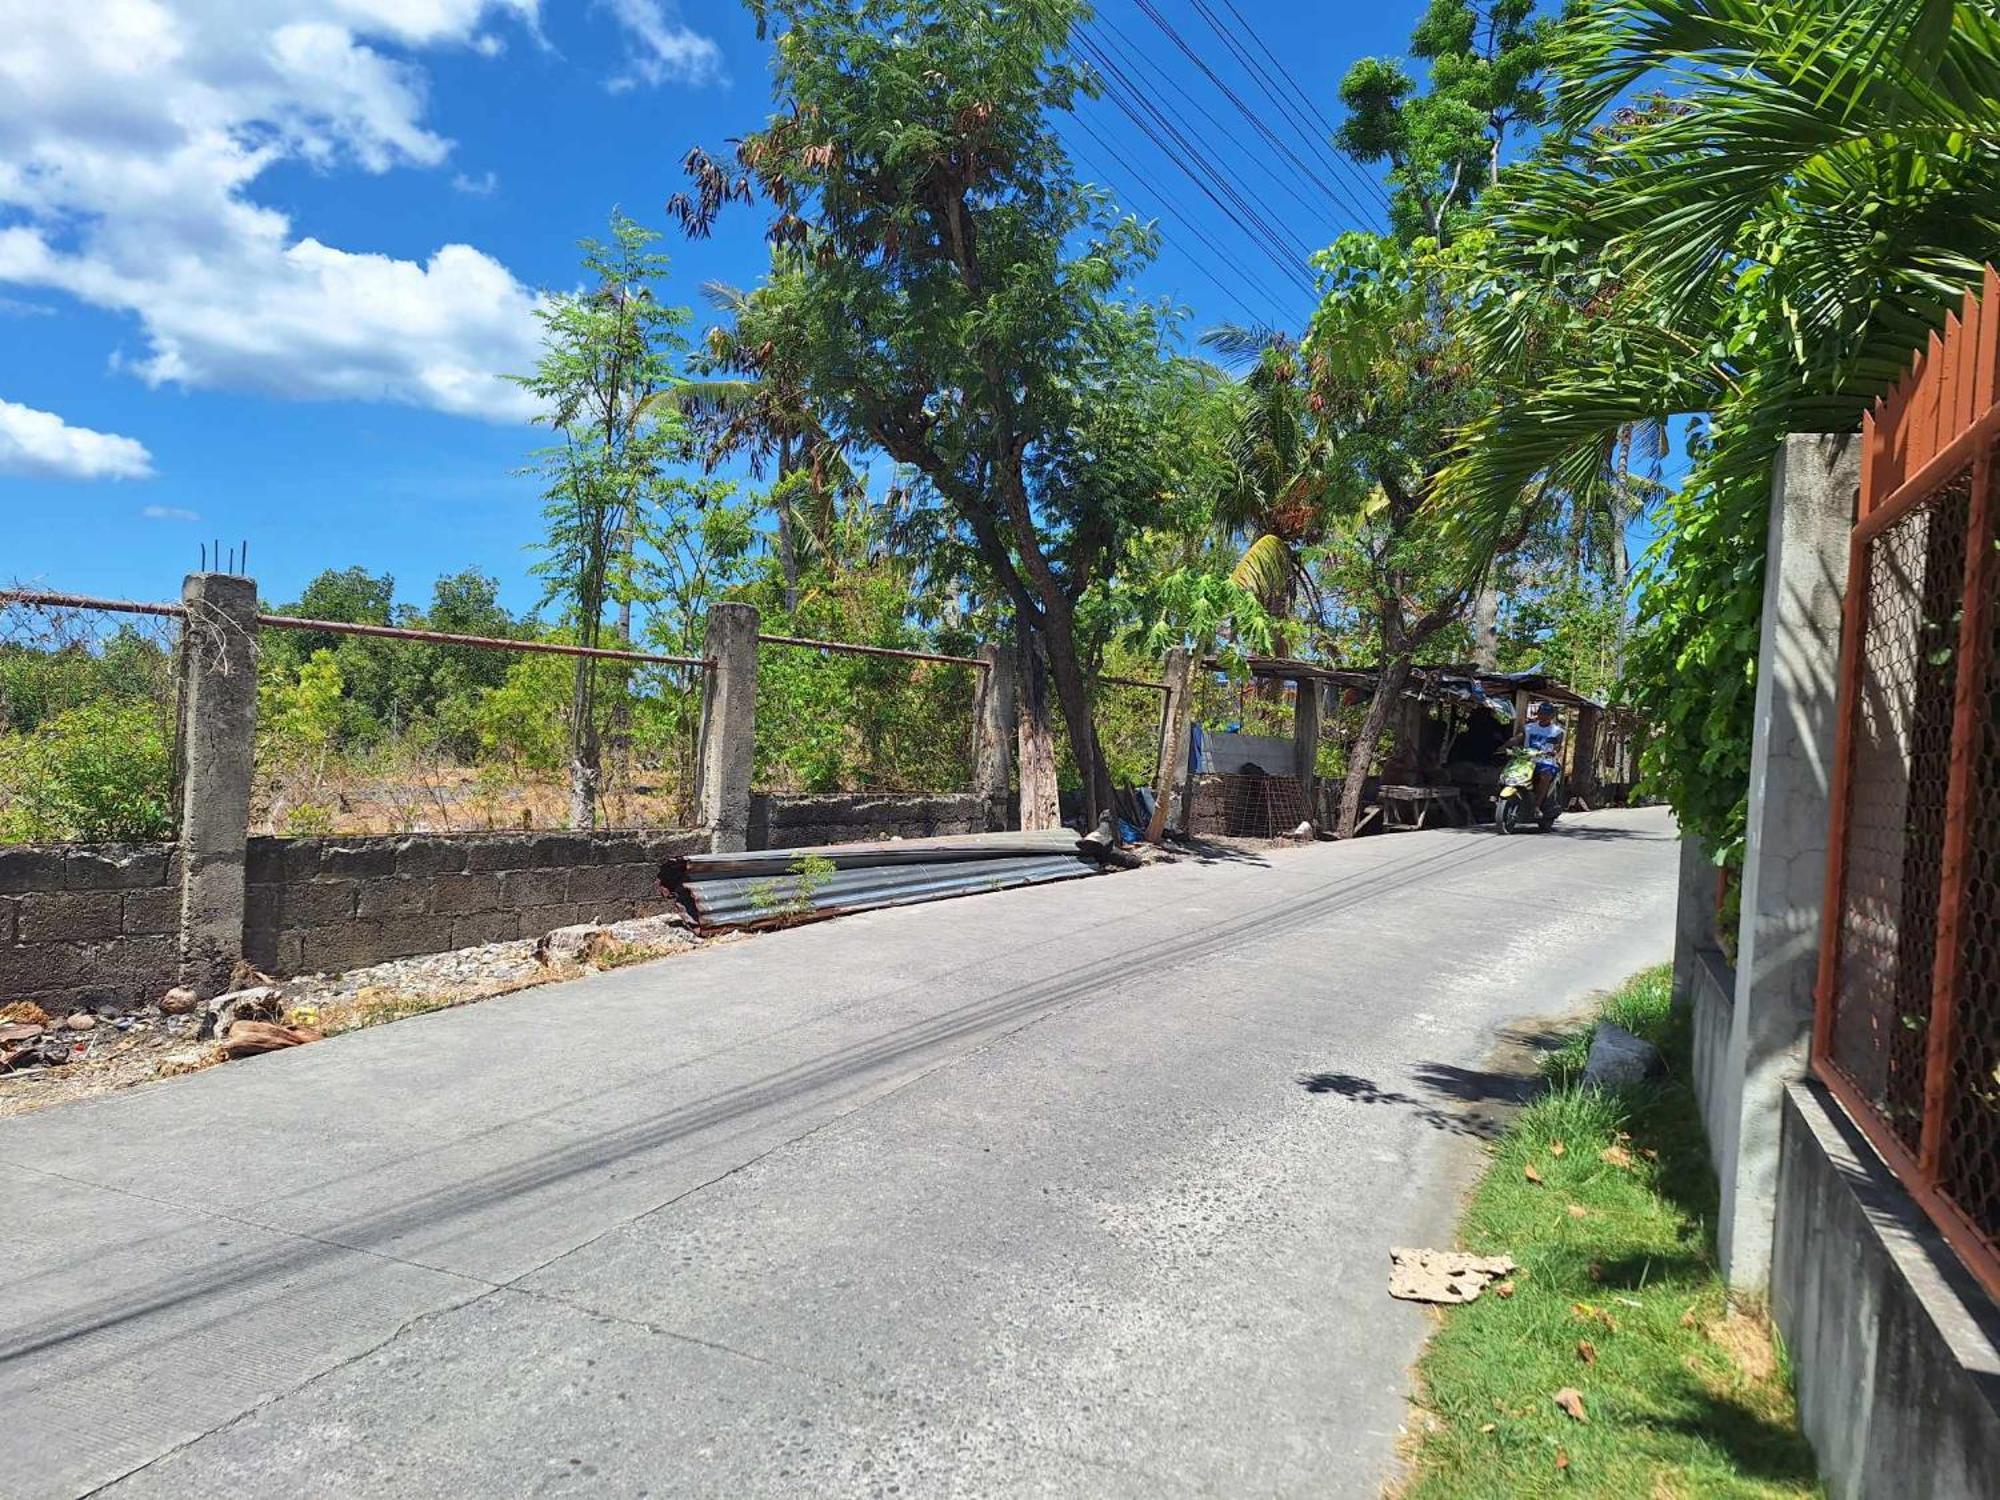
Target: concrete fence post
pixel 1694 914
pixel 1815 489
pixel 993 735
pixel 218 755
pixel 728 726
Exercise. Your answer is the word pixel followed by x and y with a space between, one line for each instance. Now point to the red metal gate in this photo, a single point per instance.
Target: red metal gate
pixel 1907 1030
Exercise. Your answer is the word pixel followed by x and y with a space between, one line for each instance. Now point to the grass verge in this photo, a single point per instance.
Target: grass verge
pixel 1608 1204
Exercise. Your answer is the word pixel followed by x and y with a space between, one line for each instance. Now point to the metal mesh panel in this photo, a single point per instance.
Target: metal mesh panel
pixel 1895 824
pixel 1970 1159
pixel 88 711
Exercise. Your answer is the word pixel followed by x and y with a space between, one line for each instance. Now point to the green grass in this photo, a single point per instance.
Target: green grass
pixel 1684 1390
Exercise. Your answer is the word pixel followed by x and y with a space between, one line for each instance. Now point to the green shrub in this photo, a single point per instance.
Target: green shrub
pixel 96 772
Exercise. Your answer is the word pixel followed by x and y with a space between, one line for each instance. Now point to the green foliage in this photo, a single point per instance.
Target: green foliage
pixel 1443 144
pixel 792 898
pixel 98 771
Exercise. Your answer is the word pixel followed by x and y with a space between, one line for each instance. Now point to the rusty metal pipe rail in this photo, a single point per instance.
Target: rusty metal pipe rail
pixel 845 648
pixel 498 643
pixel 44 599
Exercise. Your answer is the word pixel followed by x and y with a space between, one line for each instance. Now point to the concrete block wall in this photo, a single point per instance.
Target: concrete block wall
pixel 326 905
pixel 1896 1350
pixel 88 922
pixel 799 820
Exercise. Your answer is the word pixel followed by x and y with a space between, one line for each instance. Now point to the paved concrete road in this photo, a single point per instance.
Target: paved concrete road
pixel 1077 1191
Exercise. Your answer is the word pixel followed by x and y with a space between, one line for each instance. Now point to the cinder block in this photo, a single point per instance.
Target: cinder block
pixel 454 894
pixel 614 883
pixel 485 927
pixel 434 856
pixel 9 906
pixel 273 861
pixel 156 910
pixel 619 849
pixel 30 870
pixel 306 903
pixel 70 916
pixel 562 850
pixel 397 896
pixel 500 852
pixel 404 937
pixel 535 887
pixel 115 868
pixel 359 861
pixel 137 968
pixel 32 968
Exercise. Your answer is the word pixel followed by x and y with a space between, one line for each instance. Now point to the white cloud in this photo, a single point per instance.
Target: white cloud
pixel 661 48
pixel 132 134
pixel 168 513
pixel 485 185
pixel 42 445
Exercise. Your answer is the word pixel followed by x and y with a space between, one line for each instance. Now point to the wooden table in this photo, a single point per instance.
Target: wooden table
pixel 1409 807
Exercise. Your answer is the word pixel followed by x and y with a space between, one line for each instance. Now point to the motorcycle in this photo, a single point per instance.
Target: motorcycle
pixel 1512 809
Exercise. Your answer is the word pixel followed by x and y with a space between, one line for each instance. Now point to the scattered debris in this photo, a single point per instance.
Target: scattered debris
pixel 247 1038
pixel 1571 1401
pixel 1619 1059
pixel 1448 1276
pixel 83 1020
pixel 263 1002
pixel 179 1001
pixel 24 1013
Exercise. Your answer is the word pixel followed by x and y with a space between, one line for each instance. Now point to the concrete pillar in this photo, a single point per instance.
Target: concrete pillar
pixel 1817 483
pixel 728 726
pixel 1305 742
pixel 218 754
pixel 993 734
pixel 1694 914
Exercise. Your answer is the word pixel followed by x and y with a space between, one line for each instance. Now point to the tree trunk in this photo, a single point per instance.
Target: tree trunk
pixel 1041 800
pixel 1361 759
pixel 1180 713
pixel 583 755
pixel 1073 694
pixel 1486 626
pixel 788 541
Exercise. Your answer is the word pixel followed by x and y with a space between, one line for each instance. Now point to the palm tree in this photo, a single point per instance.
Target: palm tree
pixel 1274 501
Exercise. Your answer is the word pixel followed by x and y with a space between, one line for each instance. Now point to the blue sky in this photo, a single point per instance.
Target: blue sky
pixel 257 279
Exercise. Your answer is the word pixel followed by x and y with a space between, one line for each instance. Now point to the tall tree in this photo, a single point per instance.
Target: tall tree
pixel 607 353
pixel 1442 143
pixel 948 279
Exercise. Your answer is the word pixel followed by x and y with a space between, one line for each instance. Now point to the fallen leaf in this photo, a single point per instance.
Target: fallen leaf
pixel 1489 1426
pixel 1586 1351
pixel 1616 1156
pixel 1503 1289
pixel 1571 1400
pixel 1649 1153
pixel 1562 1459
pixel 1578 1211
pixel 1624 1135
pixel 1530 1173
pixel 1557 1148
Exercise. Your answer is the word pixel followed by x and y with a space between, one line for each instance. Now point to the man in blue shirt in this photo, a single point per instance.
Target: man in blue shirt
pixel 1544 736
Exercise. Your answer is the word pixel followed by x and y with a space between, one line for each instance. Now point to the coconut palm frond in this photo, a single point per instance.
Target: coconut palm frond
pixel 1267 570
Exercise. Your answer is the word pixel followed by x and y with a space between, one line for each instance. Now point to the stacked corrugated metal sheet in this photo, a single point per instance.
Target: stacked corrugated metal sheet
pixel 780 887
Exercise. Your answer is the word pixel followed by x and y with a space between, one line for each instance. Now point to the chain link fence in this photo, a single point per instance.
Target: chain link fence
pixel 88 714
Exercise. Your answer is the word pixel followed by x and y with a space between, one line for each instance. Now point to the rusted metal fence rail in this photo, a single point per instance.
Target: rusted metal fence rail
pixel 1907 1028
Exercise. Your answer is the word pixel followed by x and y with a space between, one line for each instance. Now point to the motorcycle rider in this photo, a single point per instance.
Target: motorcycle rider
pixel 1543 736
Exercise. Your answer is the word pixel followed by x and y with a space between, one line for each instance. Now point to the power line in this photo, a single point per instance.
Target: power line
pixel 1313 200
pixel 1322 136
pixel 1198 167
pixel 1243 275
pixel 1256 120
